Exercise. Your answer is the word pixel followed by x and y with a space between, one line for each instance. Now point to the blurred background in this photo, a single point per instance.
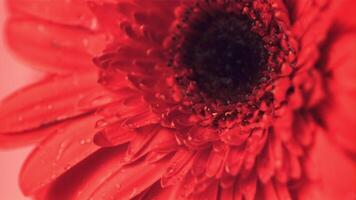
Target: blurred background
pixel 13 75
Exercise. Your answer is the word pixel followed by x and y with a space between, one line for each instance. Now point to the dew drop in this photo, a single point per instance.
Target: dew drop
pixel 101 100
pixel 85 42
pixel 53 176
pixel 41 28
pixel 133 193
pixel 93 24
pixel 61 150
pixel 19 118
pixel 85 141
pixel 171 170
pixel 50 107
pixel 101 123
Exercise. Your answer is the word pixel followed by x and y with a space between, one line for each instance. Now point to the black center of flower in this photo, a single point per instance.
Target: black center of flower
pixel 225 58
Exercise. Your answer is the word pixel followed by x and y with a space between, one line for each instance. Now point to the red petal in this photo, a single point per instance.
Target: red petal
pixel 58 153
pixel 73 13
pixel 227 194
pixel 211 193
pixel 52 47
pixel 143 137
pixel 282 191
pixel 216 160
pixel 170 193
pixel 249 187
pixel 235 160
pixel 178 167
pixel 80 181
pixel 269 192
pixel 157 147
pixel 113 135
pixel 49 101
pixel 265 167
pixel 131 180
pixel 30 137
pixel 21 139
pixel 340 114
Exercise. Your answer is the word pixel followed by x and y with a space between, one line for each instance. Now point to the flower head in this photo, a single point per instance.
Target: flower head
pixel 185 99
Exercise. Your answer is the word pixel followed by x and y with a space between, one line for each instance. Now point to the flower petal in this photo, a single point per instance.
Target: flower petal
pixel 73 13
pixel 52 47
pixel 51 100
pixel 58 153
pixel 227 193
pixel 340 113
pixel 211 193
pixel 179 166
pixel 21 139
pixel 86 176
pixel 131 180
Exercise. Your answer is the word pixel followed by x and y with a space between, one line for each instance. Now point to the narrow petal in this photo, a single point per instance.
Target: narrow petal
pixel 131 180
pixel 178 167
pixel 51 100
pixel 81 180
pixel 58 153
pixel 72 13
pixel 249 187
pixel 170 193
pixel 211 193
pixel 340 113
pixel 227 193
pixel 15 140
pixel 52 47
pixel 269 192
pixel 113 135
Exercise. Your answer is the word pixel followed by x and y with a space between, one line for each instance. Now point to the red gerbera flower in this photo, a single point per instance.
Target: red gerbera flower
pixel 181 99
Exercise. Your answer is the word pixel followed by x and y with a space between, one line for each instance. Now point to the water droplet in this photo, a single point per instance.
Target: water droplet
pixel 85 141
pixel 133 193
pixel 101 123
pixel 50 107
pixel 41 28
pixel 118 186
pixel 101 100
pixel 19 118
pixel 171 170
pixel 85 42
pixel 53 176
pixel 67 167
pixel 61 150
pixel 94 24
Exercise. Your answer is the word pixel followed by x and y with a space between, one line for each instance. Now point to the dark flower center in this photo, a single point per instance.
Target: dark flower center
pixel 226 59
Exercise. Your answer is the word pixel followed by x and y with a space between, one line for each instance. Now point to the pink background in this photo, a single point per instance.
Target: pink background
pixel 331 163
pixel 12 76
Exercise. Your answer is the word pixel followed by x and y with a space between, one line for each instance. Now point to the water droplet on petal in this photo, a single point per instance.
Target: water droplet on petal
pixel 101 123
pixel 133 193
pixel 94 24
pixel 61 149
pixel 171 170
pixel 85 42
pixel 50 107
